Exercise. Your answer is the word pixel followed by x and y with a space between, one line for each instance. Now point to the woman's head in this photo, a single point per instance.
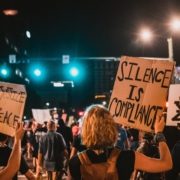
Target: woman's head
pixel 98 128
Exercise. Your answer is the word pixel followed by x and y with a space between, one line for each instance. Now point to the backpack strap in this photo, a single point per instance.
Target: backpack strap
pixel 113 159
pixel 84 159
pixel 114 155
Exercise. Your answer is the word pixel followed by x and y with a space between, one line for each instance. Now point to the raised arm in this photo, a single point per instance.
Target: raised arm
pixel 154 165
pixel 14 160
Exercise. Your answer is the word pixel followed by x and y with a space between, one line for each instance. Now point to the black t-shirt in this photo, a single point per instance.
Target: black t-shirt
pixel 52 146
pixel 174 172
pixel 77 144
pixel 172 135
pixel 176 156
pixel 125 163
pixel 5 153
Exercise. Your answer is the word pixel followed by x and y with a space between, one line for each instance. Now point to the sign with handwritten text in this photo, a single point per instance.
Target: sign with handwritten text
pixel 173 111
pixel 140 91
pixel 12 101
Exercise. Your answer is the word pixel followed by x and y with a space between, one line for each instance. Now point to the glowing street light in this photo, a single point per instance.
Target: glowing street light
pixel 175 27
pixel 10 12
pixel 146 35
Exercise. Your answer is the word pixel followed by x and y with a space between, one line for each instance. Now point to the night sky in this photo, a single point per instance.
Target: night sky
pixel 91 28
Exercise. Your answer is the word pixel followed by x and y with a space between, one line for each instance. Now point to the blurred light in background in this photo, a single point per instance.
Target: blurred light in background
pixel 28 34
pixel 4 71
pixel 57 84
pixel 74 71
pixel 175 24
pixel 80 113
pixel 10 12
pixel 146 35
pixel 104 103
pixel 47 104
pixel 37 72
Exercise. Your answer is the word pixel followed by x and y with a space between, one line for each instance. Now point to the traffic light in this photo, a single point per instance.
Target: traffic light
pixel 74 71
pixel 4 72
pixel 37 72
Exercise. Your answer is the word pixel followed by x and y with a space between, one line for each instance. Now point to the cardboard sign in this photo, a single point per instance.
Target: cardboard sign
pixel 173 111
pixel 140 91
pixel 41 115
pixel 12 101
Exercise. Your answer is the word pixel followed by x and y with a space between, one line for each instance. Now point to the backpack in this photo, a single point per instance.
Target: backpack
pixel 99 171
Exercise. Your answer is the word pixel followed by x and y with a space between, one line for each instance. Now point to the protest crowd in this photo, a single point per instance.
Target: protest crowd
pixel 95 145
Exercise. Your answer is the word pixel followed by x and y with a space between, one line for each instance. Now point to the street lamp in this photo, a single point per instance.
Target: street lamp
pixel 146 35
pixel 170 48
pixel 175 27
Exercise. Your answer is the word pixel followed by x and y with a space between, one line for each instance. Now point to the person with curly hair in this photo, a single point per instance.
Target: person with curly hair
pixel 102 160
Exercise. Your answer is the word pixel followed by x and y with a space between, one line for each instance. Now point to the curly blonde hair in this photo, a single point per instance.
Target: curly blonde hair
pixel 98 128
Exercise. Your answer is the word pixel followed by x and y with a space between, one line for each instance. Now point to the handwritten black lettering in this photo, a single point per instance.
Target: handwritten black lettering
pixel 131 92
pixel 177 116
pixel 140 91
pixel 1 115
pixel 122 71
pixel 9 118
pixel 167 75
pixel 137 75
pixel 133 112
pixel 138 97
pixel 15 120
pixel 11 94
pixel 149 75
pixel 130 71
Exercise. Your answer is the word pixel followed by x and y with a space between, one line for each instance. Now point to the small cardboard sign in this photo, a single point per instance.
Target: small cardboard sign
pixel 173 111
pixel 12 102
pixel 140 91
pixel 41 115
